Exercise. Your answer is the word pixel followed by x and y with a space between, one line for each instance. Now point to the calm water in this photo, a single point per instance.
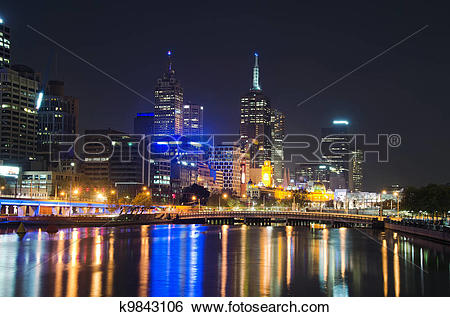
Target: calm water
pixel 197 260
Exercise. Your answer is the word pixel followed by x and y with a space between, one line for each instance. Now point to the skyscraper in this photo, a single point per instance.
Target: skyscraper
pixel 5 45
pixel 278 121
pixel 168 103
pixel 336 151
pixel 192 119
pixel 144 123
pixel 18 117
pixel 57 116
pixel 356 171
pixel 255 127
pixel 226 158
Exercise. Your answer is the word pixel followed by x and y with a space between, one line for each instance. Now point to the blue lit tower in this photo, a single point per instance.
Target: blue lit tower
pixel 255 127
pixel 168 103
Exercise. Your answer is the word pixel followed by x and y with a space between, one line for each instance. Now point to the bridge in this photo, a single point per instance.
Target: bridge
pixel 268 217
pixel 31 207
pixel 32 210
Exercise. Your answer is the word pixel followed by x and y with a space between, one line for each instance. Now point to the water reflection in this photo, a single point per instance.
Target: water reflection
pixel 196 260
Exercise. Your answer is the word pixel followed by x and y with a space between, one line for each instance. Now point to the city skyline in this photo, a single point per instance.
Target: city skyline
pixel 374 109
pixel 157 151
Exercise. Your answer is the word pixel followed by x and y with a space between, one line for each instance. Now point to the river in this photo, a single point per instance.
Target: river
pixel 200 260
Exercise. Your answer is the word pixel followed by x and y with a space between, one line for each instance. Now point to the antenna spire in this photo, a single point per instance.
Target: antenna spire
pixel 169 54
pixel 256 74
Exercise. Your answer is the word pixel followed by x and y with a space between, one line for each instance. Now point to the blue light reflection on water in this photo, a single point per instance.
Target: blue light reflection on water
pixel 176 263
pixel 198 260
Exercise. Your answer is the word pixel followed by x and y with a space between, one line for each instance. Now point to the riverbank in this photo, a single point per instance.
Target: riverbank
pixel 85 221
pixel 441 236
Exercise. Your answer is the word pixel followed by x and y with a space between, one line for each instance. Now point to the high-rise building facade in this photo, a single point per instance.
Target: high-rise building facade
pixel 112 158
pixel 192 119
pixel 336 151
pixel 356 171
pixel 278 121
pixel 144 123
pixel 168 103
pixel 255 126
pixel 5 45
pixel 18 117
pixel 57 116
pixel 226 158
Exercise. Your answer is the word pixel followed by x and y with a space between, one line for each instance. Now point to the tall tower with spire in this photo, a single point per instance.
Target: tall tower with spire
pixel 256 74
pixel 168 102
pixel 255 127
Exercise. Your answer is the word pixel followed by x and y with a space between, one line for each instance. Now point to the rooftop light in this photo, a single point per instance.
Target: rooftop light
pixel 340 122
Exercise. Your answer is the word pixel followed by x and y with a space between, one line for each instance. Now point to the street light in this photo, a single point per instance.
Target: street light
pixel 194 198
pixel 225 195
pixel 398 204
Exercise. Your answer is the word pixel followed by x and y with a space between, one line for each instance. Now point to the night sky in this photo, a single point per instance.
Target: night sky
pixel 303 47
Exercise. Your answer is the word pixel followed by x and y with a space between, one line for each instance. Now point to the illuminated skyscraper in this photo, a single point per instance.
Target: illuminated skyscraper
pixel 278 121
pixel 345 161
pixel 19 122
pixel 168 103
pixel 356 171
pixel 57 116
pixel 5 45
pixel 255 127
pixel 192 119
pixel 226 158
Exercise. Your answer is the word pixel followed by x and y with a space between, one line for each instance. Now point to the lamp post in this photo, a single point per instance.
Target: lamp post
pixel 225 195
pixel 398 204
pixel 381 202
pixel 113 191
pixel 194 198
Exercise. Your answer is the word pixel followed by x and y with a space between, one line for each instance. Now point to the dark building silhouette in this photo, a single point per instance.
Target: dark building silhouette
pixel 144 123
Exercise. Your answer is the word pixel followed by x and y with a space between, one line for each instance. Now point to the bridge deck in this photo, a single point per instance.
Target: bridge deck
pixel 279 215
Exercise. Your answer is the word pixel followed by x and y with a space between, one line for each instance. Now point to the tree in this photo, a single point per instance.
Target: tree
pixel 433 198
pixel 142 199
pixel 195 191
pixel 300 197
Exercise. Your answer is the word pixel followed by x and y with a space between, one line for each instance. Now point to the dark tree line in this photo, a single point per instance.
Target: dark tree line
pixel 434 199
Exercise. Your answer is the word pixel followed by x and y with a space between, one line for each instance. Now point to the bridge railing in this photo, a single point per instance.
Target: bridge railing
pixel 320 215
